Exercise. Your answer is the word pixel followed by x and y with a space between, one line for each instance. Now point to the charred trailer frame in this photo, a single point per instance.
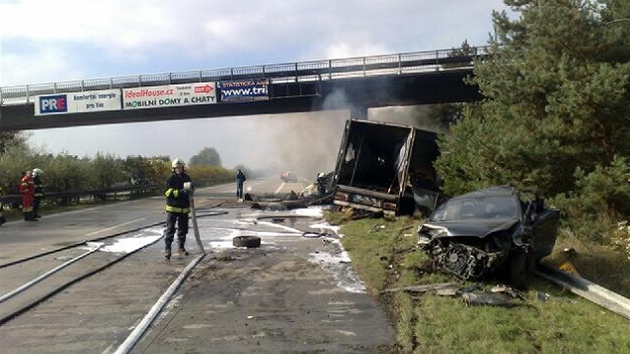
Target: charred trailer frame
pixel 386 167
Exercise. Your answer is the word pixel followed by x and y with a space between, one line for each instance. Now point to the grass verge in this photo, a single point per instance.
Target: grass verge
pixel 384 256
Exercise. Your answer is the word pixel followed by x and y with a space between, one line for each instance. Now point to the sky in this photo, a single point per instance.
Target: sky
pixel 44 41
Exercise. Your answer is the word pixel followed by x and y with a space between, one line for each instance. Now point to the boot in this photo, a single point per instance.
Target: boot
pixel 31 217
pixel 167 252
pixel 182 251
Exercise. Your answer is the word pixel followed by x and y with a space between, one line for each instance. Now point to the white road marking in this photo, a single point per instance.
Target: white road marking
pixel 279 188
pixel 113 227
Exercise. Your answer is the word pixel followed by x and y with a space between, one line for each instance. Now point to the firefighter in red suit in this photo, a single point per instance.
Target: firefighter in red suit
pixel 27 190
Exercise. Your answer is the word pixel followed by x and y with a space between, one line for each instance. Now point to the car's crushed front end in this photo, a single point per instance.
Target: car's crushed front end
pixel 463 251
pixel 487 232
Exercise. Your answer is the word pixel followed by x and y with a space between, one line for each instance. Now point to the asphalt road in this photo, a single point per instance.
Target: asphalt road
pixel 293 294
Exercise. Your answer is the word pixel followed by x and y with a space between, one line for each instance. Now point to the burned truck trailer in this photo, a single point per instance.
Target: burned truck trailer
pixel 386 167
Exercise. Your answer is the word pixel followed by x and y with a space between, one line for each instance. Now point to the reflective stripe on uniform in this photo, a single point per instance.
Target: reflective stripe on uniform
pixel 172 191
pixel 172 209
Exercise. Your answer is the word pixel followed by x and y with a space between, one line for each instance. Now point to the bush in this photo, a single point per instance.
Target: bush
pixel 599 204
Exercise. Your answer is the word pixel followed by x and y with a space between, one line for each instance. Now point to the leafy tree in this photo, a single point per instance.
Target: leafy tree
pixel 206 157
pixel 146 170
pixel 11 138
pixel 106 171
pixel 557 88
pixel 68 173
pixel 13 162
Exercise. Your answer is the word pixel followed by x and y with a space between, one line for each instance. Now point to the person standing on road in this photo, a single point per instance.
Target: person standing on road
pixel 39 191
pixel 27 190
pixel 178 188
pixel 240 179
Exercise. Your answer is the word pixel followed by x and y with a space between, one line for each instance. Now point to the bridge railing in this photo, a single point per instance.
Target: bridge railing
pixel 317 70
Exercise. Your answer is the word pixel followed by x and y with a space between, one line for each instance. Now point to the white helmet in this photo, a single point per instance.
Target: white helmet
pixel 178 163
pixel 37 171
pixel 321 175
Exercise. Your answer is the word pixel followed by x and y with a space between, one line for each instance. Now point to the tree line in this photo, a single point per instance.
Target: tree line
pixel 70 173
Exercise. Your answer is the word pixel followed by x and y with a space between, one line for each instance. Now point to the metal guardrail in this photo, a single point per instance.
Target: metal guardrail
pixel 318 70
pixel 12 199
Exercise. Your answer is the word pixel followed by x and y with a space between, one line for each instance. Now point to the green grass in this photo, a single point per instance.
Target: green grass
pixel 384 256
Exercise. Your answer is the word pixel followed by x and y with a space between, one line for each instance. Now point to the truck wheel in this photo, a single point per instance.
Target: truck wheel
pixel 246 241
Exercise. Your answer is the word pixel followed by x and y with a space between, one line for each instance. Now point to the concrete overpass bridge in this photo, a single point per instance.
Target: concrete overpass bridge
pixel 356 84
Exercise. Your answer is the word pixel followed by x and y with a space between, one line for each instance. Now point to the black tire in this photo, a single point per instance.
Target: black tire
pixel 246 241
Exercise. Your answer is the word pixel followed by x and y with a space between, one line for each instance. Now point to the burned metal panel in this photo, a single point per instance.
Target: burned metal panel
pixel 371 155
pixel 386 166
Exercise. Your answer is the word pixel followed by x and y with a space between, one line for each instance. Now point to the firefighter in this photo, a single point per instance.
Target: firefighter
pixel 27 190
pixel 178 188
pixel 321 183
pixel 39 191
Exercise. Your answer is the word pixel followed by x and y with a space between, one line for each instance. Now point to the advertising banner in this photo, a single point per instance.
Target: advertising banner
pixel 80 102
pixel 244 90
pixel 169 95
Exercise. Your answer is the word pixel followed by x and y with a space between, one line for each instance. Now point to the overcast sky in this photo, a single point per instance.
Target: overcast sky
pixel 45 41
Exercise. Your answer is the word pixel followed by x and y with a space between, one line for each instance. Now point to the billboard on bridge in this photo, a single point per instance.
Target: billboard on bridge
pixel 169 95
pixel 244 90
pixel 80 102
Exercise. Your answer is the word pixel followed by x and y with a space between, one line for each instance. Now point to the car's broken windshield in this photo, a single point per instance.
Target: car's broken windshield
pixel 490 207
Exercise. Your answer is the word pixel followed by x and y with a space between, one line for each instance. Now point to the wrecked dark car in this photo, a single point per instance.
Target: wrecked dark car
pixel 493 231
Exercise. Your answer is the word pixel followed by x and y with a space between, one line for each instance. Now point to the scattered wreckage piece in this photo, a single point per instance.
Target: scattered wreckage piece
pixel 424 288
pixel 488 298
pixel 270 197
pixel 280 206
pixel 275 202
pixel 493 231
pixel 319 192
pixel 499 295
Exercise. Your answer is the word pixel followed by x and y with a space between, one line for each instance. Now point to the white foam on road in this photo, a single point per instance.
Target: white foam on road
pixel 130 244
pixel 339 266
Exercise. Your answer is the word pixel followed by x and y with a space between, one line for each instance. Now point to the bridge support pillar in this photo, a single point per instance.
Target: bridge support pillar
pixel 359 112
